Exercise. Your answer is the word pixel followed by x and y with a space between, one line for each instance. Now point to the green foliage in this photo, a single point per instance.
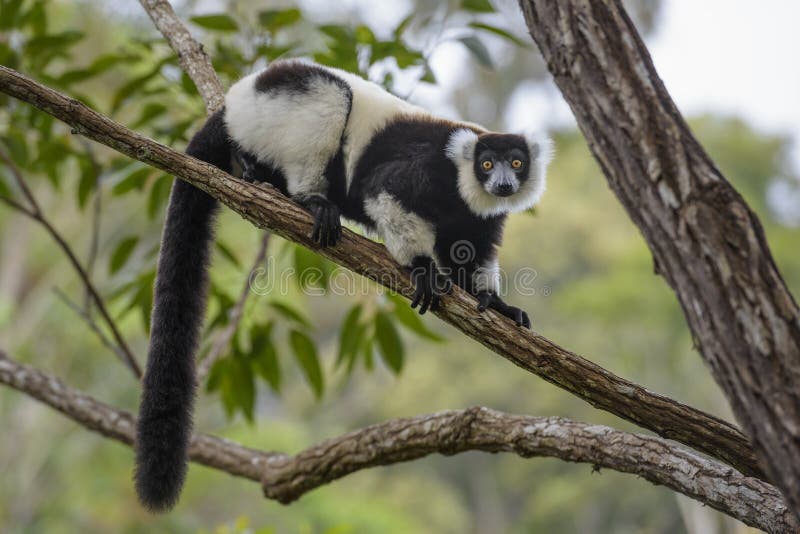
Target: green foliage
pixel 121 253
pixel 478 50
pixel 219 22
pixel 306 354
pixel 389 342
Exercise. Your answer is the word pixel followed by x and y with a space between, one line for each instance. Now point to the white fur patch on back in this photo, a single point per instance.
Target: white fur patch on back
pixel 405 234
pixel 460 149
pixel 297 131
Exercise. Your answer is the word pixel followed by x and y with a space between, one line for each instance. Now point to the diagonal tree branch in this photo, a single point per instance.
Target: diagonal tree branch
pixel 192 58
pixel 35 212
pixel 265 207
pixel 705 240
pixel 285 478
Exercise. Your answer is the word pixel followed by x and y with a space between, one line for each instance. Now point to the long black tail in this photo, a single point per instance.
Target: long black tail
pixel 165 412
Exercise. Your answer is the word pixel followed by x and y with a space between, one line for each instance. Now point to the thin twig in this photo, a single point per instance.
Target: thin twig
pixel 90 322
pixel 16 206
pixel 94 242
pixel 286 478
pixel 35 213
pixel 235 314
pixel 17 175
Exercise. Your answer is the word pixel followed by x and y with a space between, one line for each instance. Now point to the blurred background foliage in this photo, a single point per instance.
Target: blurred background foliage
pixel 306 363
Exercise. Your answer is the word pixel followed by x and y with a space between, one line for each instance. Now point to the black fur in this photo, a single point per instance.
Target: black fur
pixel 294 77
pixel 165 421
pixel 407 160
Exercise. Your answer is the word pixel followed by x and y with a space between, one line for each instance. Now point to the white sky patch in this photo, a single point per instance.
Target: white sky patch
pixel 734 57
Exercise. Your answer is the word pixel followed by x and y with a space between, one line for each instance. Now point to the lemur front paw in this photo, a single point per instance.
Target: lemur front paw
pixel 249 166
pixel 429 283
pixel 492 300
pixel 327 224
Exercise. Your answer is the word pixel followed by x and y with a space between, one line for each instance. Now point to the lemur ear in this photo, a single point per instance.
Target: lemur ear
pixel 540 148
pixel 461 146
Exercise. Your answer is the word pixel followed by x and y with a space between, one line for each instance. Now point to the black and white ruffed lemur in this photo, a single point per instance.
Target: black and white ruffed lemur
pixel 339 146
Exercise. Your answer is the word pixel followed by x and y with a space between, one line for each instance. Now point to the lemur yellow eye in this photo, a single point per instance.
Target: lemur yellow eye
pixel 487 165
pixel 516 164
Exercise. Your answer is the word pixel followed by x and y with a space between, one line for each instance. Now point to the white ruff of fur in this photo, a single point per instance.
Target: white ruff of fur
pixel 461 150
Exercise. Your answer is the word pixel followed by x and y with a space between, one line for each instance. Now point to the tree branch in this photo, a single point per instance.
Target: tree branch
pixel 35 212
pixel 192 58
pixel 265 207
pixel 285 478
pixel 709 245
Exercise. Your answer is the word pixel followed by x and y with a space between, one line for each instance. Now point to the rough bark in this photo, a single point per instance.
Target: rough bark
pixel 706 242
pixel 192 58
pixel 285 478
pixel 265 207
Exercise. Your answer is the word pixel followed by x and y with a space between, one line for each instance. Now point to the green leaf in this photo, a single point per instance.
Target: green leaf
pixel 143 297
pixel 350 335
pixel 410 319
pixel 499 31
pixel 159 193
pixel 5 191
pixel 306 354
pixel 217 375
pixel 289 312
pixel 135 180
pixel 17 146
pixel 312 269
pixel 150 111
pixel 86 183
pixel 364 35
pixel 401 28
pixel 52 43
pixel 366 352
pixel 429 76
pixel 228 254
pixel 137 84
pixel 274 19
pixel 478 6
pixel 389 342
pixel 10 13
pixel 243 382
pixel 265 357
pixel 122 253
pixel 36 18
pixel 219 22
pixel 478 50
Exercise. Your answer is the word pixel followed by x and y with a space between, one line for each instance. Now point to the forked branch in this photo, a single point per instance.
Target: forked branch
pixel 285 478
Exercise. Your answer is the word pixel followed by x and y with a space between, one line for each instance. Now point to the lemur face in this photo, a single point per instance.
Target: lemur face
pixel 499 173
pixel 501 163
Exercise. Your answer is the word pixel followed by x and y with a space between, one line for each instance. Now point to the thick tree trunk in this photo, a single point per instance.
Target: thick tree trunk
pixel 705 240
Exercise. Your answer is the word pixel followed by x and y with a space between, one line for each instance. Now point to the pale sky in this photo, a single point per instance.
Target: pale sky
pixel 736 57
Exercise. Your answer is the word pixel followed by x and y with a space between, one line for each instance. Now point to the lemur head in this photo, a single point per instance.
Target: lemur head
pixel 499 173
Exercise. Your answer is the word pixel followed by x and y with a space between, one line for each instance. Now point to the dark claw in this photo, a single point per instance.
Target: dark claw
pixel 327 225
pixel 429 284
pixel 492 300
